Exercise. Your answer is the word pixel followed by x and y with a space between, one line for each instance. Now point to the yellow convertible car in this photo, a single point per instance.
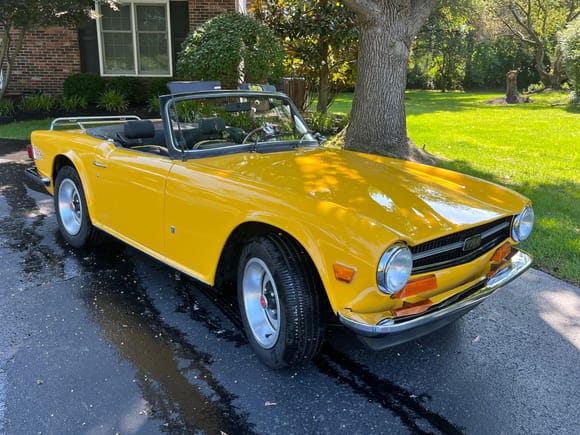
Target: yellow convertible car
pixel 232 186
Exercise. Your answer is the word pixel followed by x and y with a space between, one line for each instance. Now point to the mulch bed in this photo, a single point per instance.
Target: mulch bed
pixel 502 100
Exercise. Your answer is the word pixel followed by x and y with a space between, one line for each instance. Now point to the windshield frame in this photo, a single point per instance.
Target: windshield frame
pixel 168 103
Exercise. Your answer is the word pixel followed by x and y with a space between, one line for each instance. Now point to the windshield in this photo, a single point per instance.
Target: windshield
pixel 257 121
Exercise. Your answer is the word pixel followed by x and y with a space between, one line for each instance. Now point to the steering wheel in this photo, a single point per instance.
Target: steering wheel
pixel 201 143
pixel 251 133
pixel 270 135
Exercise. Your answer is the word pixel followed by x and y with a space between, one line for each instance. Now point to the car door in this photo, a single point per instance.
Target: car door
pixel 129 195
pixel 201 207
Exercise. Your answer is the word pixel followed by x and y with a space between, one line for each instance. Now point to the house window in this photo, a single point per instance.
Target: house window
pixel 134 40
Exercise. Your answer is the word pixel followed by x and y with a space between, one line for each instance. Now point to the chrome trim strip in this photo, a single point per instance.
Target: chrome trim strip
pixel 458 245
pixel 81 120
pixel 495 229
pixel 437 251
pixel 520 262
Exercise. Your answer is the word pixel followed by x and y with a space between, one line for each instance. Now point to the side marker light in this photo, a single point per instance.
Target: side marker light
pixel 344 273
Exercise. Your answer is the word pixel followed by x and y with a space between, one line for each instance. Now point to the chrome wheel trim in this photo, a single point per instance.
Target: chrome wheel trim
pixel 69 207
pixel 261 303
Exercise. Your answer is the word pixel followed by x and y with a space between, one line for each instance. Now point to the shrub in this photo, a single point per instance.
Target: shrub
pixel 113 101
pixel 6 107
pixel 569 39
pixel 73 103
pixel 153 105
pixel 419 79
pixel 86 85
pixel 37 103
pixel 215 51
pixel 158 87
pixel 535 88
pixel 132 88
pixel 326 123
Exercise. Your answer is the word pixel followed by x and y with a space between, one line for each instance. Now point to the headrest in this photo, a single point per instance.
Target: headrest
pixel 139 129
pixel 211 125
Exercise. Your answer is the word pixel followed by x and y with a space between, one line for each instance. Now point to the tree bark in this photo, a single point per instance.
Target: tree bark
pixel 4 47
pixel 378 120
pixel 323 82
pixel 512 96
pixel 9 55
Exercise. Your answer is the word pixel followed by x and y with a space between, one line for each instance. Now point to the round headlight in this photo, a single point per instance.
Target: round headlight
pixel 394 269
pixel 523 224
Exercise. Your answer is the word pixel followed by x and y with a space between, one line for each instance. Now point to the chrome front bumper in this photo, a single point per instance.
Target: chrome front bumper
pixel 390 332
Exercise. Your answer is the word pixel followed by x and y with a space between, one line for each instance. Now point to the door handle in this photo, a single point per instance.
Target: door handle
pixel 99 164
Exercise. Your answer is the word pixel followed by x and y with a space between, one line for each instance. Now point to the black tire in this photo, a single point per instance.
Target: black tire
pixel 279 301
pixel 71 209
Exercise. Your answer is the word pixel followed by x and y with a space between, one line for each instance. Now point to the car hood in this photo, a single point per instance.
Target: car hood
pixel 414 201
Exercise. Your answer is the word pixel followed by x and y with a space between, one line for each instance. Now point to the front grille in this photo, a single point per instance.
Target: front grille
pixel 459 248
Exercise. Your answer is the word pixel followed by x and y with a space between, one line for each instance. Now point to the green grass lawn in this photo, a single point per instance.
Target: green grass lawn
pixel 22 130
pixel 532 148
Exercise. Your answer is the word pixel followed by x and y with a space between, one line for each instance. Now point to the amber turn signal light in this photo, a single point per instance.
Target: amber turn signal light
pixel 343 273
pixel 502 252
pixel 417 286
pixel 410 310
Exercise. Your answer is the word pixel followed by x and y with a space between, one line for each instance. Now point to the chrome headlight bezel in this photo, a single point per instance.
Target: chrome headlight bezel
pixel 523 224
pixel 394 268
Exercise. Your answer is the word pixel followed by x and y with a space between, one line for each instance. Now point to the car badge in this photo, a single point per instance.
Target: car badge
pixel 472 243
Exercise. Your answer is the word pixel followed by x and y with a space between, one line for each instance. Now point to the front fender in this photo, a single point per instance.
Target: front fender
pixel 338 237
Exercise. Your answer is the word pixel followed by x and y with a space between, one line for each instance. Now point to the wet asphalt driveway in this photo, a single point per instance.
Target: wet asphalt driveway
pixel 110 341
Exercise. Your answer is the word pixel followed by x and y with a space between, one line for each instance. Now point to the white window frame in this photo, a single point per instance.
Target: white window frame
pixel 133 5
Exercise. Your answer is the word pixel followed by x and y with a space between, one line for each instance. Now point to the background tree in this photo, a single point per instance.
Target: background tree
pixel 441 47
pixel 464 45
pixel 18 17
pixel 535 24
pixel 320 38
pixel 490 57
pixel 229 47
pixel 570 45
pixel 387 28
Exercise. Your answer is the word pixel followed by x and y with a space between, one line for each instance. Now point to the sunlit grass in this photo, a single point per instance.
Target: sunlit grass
pixel 22 129
pixel 532 148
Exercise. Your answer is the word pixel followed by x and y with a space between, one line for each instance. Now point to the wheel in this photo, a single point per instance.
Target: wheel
pixel 71 210
pixel 251 133
pixel 279 304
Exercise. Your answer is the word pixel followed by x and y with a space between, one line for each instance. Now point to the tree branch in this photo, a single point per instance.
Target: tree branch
pixel 421 9
pixel 527 27
pixel 365 9
pixel 517 33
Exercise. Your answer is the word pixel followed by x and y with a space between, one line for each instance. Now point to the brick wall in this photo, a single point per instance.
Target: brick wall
pixel 50 55
pixel 202 10
pixel 47 57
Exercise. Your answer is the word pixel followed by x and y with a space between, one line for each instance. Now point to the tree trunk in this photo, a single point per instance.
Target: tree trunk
pixel 557 71
pixel 4 47
pixel 550 76
pixel 323 82
pixel 512 96
pixel 377 120
pixel 9 58
pixel 379 96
